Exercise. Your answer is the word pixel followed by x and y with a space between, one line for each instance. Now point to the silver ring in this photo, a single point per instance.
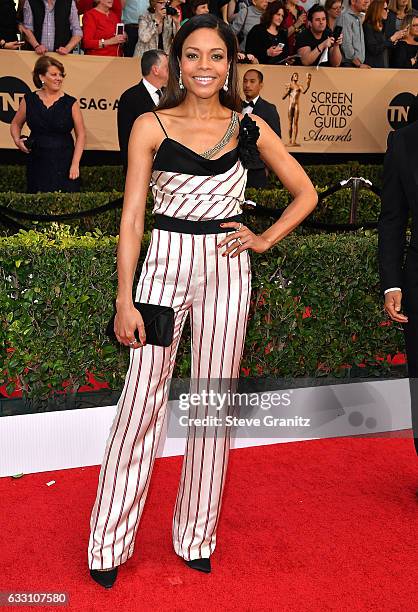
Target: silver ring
pixel 239 227
pixel 239 240
pixel 131 343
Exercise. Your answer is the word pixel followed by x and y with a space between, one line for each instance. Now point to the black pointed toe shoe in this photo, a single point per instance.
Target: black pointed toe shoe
pixel 106 578
pixel 203 565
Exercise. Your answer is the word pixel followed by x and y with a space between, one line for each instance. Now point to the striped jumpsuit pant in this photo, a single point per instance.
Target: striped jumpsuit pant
pixel 187 272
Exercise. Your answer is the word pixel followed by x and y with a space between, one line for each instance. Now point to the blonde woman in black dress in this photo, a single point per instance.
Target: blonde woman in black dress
pixel 195 149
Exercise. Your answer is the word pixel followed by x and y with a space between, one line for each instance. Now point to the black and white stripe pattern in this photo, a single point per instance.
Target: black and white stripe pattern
pixel 189 273
pixel 197 197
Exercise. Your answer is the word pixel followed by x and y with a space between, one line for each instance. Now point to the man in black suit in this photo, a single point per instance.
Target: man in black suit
pixel 141 98
pixel 254 103
pixel 399 280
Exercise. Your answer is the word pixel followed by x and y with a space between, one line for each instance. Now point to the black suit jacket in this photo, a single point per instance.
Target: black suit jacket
pixel 133 102
pixel 268 112
pixel 399 200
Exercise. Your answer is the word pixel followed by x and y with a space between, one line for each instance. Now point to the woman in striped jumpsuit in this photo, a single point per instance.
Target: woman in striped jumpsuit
pixel 198 263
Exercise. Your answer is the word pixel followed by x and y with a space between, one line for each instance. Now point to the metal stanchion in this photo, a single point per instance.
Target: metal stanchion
pixel 356 184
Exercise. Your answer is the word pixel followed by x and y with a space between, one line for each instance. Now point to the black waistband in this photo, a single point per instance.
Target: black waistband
pixel 186 226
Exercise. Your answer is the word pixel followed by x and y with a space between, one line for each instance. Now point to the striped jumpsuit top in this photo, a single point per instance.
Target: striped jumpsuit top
pixel 187 272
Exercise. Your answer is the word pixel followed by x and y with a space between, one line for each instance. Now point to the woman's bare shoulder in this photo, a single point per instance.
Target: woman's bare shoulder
pixel 170 113
pixel 147 129
pixel 172 118
pixel 147 123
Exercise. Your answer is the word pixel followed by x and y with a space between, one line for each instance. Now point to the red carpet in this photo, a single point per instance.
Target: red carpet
pixel 315 525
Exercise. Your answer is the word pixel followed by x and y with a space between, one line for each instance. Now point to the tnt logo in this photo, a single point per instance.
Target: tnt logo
pixel 398 110
pixel 12 91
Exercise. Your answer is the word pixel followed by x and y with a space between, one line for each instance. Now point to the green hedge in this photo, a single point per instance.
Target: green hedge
pixel 315 308
pixel 109 178
pixel 102 178
pixel 60 203
pixel 334 209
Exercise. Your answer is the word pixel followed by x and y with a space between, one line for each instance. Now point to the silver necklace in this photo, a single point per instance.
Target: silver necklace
pixel 227 137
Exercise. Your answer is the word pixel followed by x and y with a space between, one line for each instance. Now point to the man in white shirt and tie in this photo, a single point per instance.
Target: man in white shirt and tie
pixel 252 84
pixel 141 98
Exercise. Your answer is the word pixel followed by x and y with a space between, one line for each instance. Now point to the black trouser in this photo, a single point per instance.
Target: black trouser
pixel 131 30
pixel 411 344
pixel 410 308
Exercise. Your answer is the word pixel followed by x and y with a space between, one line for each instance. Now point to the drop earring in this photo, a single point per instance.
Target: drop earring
pixel 181 81
pixel 225 85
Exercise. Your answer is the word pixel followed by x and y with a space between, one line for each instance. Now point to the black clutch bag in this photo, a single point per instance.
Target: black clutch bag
pixel 158 321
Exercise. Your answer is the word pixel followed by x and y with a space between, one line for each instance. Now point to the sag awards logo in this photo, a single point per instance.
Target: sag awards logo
pixel 398 108
pixel 12 91
pixel 328 112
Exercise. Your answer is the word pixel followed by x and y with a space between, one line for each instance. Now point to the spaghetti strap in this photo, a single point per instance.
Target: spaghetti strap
pixel 159 121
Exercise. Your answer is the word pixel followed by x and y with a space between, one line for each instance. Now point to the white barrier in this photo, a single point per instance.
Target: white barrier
pixel 75 438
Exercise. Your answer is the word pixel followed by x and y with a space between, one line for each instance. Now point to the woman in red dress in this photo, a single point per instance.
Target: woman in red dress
pixel 99 29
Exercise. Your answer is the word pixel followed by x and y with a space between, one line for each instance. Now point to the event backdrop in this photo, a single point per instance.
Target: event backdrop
pixel 335 110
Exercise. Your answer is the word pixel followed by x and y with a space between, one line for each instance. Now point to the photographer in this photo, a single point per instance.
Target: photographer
pixel 312 42
pixel 157 28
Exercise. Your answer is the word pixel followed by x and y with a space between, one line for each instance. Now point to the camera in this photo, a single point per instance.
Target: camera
pixel 169 9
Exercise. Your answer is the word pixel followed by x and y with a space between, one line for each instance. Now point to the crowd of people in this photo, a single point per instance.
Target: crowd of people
pixel 351 33
pixel 52 156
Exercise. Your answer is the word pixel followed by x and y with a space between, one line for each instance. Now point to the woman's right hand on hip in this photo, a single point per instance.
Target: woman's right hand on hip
pixel 128 319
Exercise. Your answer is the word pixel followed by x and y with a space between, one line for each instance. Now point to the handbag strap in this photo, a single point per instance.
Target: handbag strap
pixel 244 22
